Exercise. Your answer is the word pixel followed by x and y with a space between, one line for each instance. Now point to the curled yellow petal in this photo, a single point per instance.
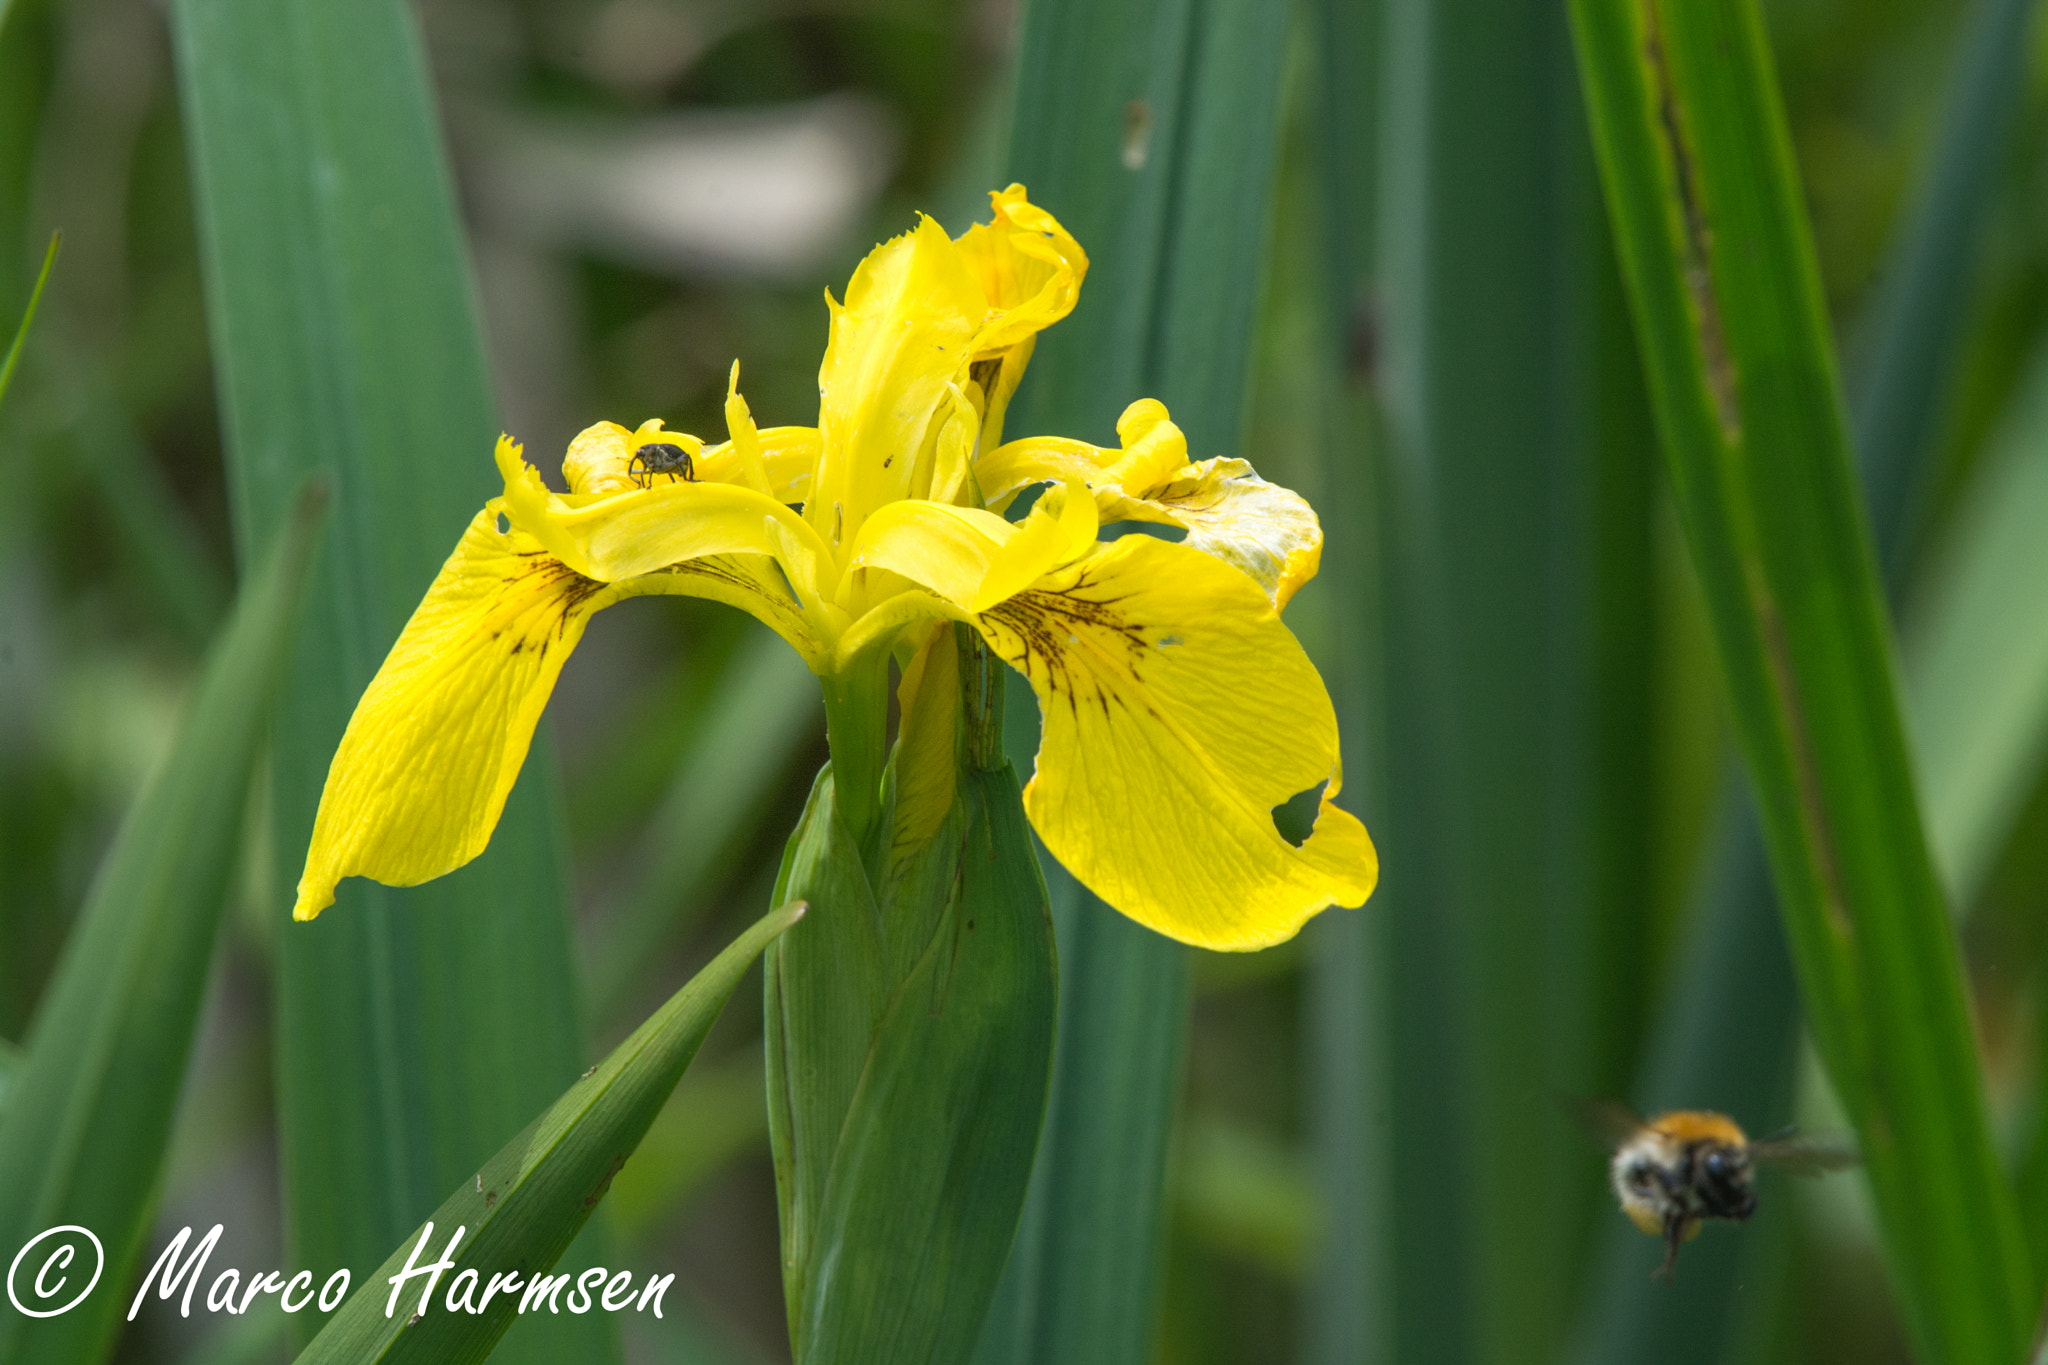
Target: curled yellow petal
pixel 788 456
pixel 1268 532
pixel 600 457
pixel 1030 269
pixel 1178 711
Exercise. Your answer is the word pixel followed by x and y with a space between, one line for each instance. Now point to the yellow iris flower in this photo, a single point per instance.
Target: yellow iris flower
pixel 1178 709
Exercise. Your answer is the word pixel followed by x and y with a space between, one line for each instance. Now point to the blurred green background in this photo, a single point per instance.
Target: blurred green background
pixel 655 187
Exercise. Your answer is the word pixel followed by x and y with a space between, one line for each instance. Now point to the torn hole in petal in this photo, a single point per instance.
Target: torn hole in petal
pixel 1295 818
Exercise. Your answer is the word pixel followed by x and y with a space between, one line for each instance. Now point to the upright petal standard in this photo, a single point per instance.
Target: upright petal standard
pixel 1179 710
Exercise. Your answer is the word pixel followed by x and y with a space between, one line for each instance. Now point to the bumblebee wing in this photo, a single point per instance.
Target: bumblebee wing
pixel 1611 1121
pixel 1809 1156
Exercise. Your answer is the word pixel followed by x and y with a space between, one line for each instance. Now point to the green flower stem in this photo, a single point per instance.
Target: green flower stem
pixel 857 729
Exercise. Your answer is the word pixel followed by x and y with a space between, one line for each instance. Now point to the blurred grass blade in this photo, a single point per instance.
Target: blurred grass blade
pixel 1976 651
pixel 1348 1309
pixel 526 1203
pixel 1734 980
pixel 417 1029
pixel 764 711
pixel 257 1339
pixel 1897 394
pixel 84 1135
pixel 1169 190
pixel 716 1116
pixel 1726 1039
pixel 35 299
pixel 1701 187
pixel 1513 616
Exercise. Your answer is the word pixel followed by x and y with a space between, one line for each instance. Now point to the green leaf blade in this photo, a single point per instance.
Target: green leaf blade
pixel 1703 192
pixel 417 1029
pixel 35 300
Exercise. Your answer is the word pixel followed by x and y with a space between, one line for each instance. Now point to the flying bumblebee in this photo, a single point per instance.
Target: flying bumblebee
pixel 1673 1172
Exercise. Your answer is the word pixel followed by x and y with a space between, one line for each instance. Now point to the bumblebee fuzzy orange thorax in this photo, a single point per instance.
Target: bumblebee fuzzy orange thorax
pixel 1685 1127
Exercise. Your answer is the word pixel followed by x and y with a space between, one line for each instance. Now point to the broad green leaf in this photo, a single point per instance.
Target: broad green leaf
pixel 1151 128
pixel 520 1210
pixel 35 299
pixel 416 1029
pixel 1702 190
pixel 910 1029
pixel 87 1118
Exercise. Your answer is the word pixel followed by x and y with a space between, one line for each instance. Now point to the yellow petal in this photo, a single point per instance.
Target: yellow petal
pixel 948 549
pixel 926 764
pixel 746 437
pixel 598 459
pixel 1268 532
pixel 431 753
pixel 897 342
pixel 645 529
pixel 788 456
pixel 1060 529
pixel 920 311
pixel 1030 269
pixel 1178 712
pixel 1228 511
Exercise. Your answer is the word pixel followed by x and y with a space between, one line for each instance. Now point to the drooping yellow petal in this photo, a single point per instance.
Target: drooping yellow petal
pixel 1178 712
pixel 431 753
pixel 435 743
pixel 1268 532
